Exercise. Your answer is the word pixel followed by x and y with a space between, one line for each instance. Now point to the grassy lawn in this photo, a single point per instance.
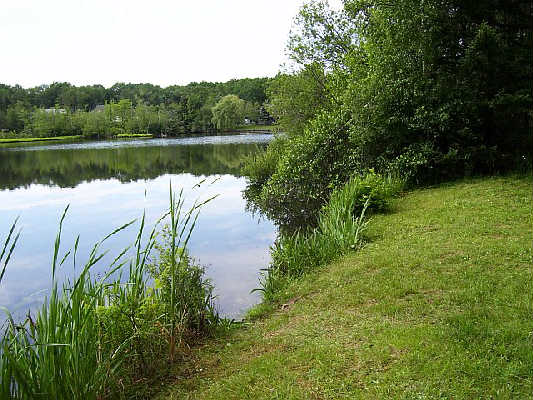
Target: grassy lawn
pixel 135 135
pixel 437 305
pixel 43 139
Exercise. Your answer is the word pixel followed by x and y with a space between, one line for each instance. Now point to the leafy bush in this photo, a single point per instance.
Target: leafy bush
pixel 309 168
pixel 259 167
pixel 194 299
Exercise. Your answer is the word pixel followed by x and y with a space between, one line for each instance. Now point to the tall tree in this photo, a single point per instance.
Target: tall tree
pixel 228 113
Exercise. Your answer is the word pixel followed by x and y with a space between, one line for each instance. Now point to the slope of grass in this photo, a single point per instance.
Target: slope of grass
pixel 437 305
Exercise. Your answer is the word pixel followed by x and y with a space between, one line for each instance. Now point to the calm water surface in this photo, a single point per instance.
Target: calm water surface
pixel 109 183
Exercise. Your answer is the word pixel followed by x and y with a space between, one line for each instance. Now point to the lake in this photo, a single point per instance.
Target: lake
pixel 109 183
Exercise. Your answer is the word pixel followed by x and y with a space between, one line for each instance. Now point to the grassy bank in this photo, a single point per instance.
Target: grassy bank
pixel 257 128
pixel 39 139
pixel 437 305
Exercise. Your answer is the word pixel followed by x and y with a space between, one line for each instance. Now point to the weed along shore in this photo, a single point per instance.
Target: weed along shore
pixel 437 303
pixel 105 336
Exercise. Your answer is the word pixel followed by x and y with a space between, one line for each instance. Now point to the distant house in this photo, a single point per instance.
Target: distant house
pixel 99 108
pixel 55 110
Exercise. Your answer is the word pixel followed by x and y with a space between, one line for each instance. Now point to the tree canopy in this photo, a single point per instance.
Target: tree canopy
pixel 228 113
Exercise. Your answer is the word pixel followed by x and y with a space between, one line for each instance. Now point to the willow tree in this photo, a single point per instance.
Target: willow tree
pixel 228 113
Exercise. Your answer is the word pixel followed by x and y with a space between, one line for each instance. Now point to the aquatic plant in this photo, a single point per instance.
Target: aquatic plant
pixel 97 336
pixel 340 225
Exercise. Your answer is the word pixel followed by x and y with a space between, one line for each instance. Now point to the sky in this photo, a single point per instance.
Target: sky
pixel 163 42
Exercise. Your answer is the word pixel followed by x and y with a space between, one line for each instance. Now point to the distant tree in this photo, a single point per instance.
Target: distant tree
pixel 98 124
pixel 178 109
pixel 16 117
pixel 296 99
pixel 252 111
pixel 174 119
pixel 228 113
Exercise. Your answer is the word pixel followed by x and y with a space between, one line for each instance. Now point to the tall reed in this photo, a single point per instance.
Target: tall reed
pixel 340 225
pixel 93 336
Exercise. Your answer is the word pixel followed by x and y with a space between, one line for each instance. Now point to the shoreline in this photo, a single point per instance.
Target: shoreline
pixel 37 139
pixel 400 306
pixel 262 130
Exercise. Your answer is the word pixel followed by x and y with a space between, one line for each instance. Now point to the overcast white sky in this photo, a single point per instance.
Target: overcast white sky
pixel 163 42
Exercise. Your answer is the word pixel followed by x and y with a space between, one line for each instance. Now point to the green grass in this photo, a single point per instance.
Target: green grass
pixel 135 135
pixel 341 223
pixel 437 305
pixel 38 139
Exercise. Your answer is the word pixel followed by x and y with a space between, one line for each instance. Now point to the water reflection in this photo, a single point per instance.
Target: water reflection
pixel 108 187
pixel 67 165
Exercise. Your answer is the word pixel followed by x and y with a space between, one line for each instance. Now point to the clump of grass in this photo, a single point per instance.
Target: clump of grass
pixel 56 354
pixel 94 338
pixel 340 226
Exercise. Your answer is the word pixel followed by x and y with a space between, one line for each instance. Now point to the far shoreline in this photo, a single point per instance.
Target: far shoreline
pixel 264 129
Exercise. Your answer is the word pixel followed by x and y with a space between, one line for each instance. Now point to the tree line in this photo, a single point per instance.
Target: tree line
pixel 63 109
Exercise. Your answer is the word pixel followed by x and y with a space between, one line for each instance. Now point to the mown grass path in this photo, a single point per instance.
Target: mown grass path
pixel 437 305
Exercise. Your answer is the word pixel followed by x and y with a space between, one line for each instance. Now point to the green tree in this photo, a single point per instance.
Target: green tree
pixel 17 117
pixel 252 111
pixel 99 124
pixel 297 98
pixel 228 113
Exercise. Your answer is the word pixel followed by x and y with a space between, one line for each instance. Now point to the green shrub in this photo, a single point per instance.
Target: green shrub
pixel 259 167
pixel 194 299
pixel 339 228
pixel 309 168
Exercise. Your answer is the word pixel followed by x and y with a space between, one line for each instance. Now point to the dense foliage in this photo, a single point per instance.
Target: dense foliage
pixel 339 229
pixel 228 113
pixel 425 90
pixel 61 109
